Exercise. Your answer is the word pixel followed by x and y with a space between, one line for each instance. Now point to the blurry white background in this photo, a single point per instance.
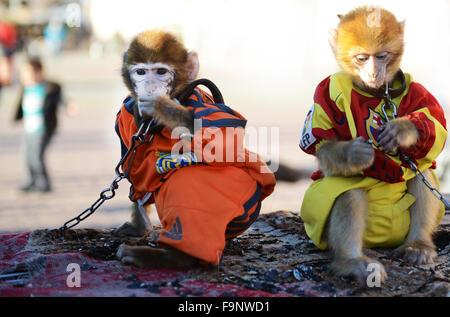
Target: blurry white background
pixel 280 45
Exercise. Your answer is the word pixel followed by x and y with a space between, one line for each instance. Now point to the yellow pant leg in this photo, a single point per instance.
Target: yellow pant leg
pixel 319 199
pixel 388 217
pixel 388 214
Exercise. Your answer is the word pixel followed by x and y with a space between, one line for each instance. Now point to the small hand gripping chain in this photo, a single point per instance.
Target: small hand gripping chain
pixel 136 140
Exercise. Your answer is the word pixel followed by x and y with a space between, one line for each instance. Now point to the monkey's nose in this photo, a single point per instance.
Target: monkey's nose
pixel 150 90
pixel 372 67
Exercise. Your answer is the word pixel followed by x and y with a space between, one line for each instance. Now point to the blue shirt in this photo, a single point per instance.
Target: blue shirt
pixel 32 106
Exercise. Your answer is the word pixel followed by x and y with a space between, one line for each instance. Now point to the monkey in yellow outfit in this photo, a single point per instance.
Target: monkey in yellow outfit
pixel 364 119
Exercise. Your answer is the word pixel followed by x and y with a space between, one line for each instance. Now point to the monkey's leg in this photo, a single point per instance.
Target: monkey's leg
pixel 345 237
pixel 154 258
pixel 139 223
pixel 418 247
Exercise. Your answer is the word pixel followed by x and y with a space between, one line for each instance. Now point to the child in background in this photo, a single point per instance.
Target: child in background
pixel 37 107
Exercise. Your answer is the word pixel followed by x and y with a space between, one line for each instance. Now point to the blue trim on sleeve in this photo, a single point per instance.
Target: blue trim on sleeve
pixel 198 104
pixel 206 112
pixel 224 123
pixel 194 104
pixel 225 108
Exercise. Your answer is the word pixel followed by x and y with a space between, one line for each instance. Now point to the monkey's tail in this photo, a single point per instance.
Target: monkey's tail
pixel 285 173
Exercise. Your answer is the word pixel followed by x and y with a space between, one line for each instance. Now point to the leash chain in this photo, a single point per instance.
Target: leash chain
pixel 136 140
pixel 412 165
pixel 422 177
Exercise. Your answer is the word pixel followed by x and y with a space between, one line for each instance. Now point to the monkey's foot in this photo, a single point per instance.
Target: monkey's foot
pixel 359 269
pixel 127 229
pixel 124 255
pixel 416 252
pixel 154 258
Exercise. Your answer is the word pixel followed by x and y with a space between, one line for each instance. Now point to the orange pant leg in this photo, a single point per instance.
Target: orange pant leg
pixel 200 206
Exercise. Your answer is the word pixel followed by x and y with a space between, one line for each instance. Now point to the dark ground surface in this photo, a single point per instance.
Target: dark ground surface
pixel 274 256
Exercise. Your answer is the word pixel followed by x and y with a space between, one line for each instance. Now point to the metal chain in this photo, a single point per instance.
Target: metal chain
pixel 136 140
pixel 427 183
pixel 411 164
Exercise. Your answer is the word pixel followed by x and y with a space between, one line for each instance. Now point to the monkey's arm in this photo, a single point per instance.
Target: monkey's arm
pixel 345 158
pixel 166 112
pixel 172 114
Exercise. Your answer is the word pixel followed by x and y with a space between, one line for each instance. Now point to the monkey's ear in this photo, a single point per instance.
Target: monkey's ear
pixel 402 26
pixel 340 16
pixel 192 65
pixel 332 39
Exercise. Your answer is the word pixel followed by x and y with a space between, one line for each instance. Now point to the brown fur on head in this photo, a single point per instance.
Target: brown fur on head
pixel 367 30
pixel 158 46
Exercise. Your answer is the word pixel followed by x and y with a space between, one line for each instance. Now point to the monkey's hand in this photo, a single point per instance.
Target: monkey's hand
pixel 146 106
pixel 165 111
pixel 360 154
pixel 400 132
pixel 345 158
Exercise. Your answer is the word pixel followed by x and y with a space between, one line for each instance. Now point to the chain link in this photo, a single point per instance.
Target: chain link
pixel 108 193
pixel 427 183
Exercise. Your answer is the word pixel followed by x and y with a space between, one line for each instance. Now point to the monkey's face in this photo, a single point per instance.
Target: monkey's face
pixel 152 79
pixel 368 45
pixel 155 65
pixel 372 69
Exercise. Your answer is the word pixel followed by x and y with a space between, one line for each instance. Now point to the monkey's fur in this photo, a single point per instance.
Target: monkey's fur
pixel 345 158
pixel 347 221
pixel 157 47
pixel 354 33
pixel 345 236
pixel 418 247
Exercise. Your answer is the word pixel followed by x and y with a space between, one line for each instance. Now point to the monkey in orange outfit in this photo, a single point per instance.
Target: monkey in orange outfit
pixel 203 197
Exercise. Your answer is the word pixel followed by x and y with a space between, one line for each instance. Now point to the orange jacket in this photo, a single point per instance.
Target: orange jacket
pixel 211 144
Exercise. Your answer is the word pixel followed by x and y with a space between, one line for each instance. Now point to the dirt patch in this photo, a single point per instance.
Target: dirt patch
pixel 274 255
pixel 100 244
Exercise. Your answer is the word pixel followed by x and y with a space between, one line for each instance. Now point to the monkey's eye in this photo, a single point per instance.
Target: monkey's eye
pixel 140 71
pixel 381 56
pixel 161 71
pixel 362 57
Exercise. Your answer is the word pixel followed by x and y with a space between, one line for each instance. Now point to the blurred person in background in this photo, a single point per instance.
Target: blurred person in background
pixel 55 34
pixel 37 106
pixel 8 45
